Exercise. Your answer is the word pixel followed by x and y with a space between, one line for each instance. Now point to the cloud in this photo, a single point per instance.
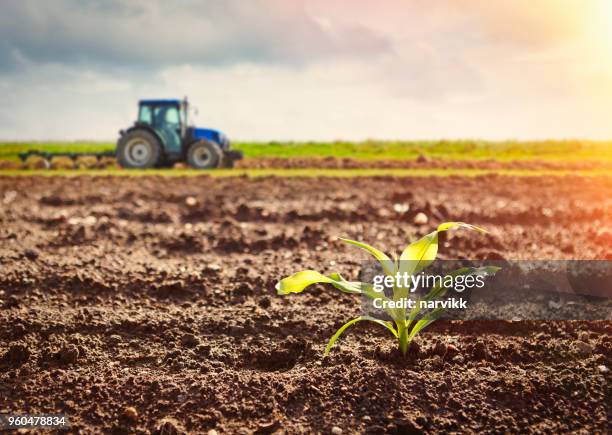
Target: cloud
pixel 310 69
pixel 157 33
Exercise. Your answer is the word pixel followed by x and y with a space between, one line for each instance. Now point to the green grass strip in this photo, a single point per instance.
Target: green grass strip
pixel 558 150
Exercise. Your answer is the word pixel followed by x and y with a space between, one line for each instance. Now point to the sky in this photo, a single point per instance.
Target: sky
pixel 310 69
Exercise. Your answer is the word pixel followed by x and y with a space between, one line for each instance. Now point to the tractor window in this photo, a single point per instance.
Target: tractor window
pixel 166 115
pixel 172 115
pixel 145 115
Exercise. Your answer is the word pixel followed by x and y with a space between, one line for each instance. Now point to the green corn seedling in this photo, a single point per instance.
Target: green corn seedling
pixel 415 257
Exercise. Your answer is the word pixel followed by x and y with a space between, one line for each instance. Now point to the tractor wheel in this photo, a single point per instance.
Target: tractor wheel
pixel 139 149
pixel 204 155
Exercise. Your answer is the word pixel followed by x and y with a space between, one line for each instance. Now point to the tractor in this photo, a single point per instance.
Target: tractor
pixel 161 137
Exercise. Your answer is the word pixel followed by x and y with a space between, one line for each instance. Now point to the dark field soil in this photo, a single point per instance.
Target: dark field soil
pixel 148 304
pixel 422 162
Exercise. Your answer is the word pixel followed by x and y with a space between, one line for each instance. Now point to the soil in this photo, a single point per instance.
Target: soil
pixel 422 162
pixel 137 305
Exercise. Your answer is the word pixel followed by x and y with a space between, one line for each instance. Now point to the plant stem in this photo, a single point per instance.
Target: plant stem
pixel 403 337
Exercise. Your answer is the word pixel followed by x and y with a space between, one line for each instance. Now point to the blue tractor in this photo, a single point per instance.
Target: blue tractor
pixel 161 136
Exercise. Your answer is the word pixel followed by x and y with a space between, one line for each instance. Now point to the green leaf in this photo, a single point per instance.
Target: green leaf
pixel 451 225
pixel 420 254
pixel 297 282
pixel 339 332
pixel 348 286
pixel 386 263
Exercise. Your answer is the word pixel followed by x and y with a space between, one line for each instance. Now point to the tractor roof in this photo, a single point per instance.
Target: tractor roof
pixel 173 102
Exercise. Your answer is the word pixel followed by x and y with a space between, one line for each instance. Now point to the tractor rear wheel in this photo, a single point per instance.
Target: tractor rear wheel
pixel 204 155
pixel 139 149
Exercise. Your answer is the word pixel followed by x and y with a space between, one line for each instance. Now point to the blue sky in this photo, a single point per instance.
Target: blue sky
pixel 302 70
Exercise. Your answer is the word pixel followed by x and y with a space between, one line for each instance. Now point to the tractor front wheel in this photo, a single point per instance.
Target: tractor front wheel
pixel 204 155
pixel 138 149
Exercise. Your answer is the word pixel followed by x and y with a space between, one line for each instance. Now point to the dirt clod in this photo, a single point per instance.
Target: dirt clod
pixel 479 350
pixel 11 302
pixel 583 348
pixel 265 302
pixel 190 340
pixel 407 427
pixel 169 426
pixel 31 254
pixel 69 354
pixel 267 428
pixel 440 349
pixel 16 355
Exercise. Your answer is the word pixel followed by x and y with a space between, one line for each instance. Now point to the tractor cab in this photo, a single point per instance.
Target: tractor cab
pixel 168 118
pixel 161 136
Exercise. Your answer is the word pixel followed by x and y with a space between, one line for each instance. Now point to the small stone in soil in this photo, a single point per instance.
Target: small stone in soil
pixel 213 268
pixel 336 430
pixel 420 219
pixel 603 369
pixel 130 414
pixel 401 208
